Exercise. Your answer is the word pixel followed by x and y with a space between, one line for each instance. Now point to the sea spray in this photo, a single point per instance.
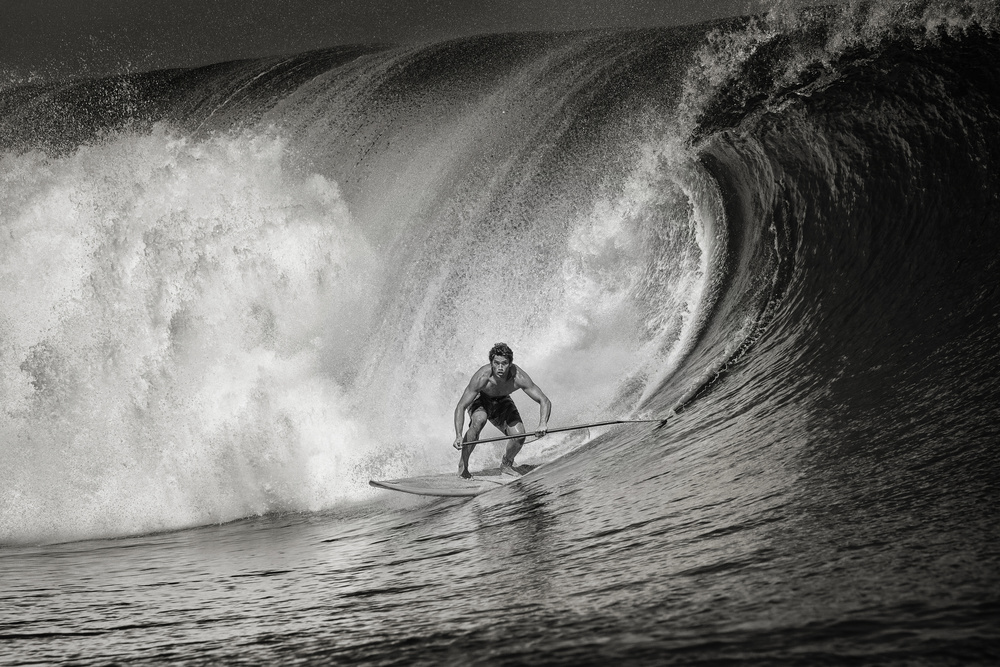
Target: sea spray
pixel 264 318
pixel 175 318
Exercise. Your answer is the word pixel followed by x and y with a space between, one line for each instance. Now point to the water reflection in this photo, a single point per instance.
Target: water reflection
pixel 515 535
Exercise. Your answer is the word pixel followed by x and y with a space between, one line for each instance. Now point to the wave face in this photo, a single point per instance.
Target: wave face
pixel 249 288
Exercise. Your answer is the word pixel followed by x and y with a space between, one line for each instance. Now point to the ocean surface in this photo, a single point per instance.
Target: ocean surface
pixel 231 295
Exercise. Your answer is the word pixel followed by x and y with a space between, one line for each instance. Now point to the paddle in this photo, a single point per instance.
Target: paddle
pixel 571 428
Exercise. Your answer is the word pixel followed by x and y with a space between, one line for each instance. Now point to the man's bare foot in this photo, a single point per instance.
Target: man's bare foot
pixel 507 468
pixel 465 474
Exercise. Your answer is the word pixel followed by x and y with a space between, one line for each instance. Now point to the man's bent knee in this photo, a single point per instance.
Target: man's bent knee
pixel 476 424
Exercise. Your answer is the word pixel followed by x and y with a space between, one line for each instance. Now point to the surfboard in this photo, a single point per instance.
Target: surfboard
pixel 451 485
pixel 485 480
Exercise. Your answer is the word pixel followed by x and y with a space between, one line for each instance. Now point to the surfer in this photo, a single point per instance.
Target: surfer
pixel 488 398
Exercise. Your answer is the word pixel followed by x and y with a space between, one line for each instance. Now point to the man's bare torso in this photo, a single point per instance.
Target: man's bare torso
pixel 496 387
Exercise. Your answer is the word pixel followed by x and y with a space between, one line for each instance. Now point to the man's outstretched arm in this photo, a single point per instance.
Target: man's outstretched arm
pixel 538 396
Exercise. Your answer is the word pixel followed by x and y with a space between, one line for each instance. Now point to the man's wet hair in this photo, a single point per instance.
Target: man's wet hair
pixel 503 350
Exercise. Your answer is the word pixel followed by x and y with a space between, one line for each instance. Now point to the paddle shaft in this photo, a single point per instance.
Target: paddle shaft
pixel 568 428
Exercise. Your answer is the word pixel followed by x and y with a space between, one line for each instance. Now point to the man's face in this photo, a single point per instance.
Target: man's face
pixel 500 365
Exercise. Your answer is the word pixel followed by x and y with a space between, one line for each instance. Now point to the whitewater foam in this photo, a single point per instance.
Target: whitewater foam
pixel 176 317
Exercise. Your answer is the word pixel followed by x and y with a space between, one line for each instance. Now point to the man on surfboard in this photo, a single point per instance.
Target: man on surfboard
pixel 488 398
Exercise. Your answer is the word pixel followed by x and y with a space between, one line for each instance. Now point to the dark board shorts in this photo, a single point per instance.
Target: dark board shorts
pixel 501 411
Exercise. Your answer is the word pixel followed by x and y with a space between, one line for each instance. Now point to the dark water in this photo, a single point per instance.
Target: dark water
pixel 232 295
